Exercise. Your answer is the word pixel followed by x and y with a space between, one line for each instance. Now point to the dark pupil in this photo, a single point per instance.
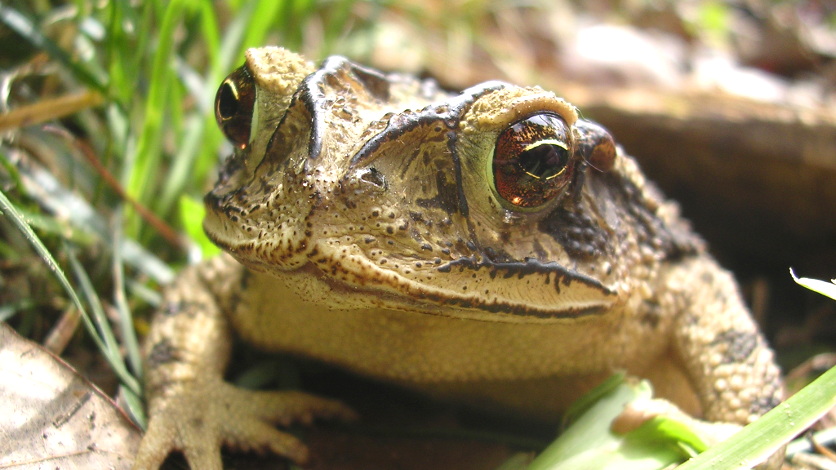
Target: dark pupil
pixel 544 161
pixel 227 103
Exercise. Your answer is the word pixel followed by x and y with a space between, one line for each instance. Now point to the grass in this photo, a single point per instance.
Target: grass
pixel 114 143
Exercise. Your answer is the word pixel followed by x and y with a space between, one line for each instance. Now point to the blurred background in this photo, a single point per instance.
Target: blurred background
pixel 108 140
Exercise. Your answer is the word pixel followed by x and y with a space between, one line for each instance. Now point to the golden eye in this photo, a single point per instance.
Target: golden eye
pixel 532 160
pixel 234 104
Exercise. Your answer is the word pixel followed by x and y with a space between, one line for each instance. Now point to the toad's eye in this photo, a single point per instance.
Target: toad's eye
pixel 234 104
pixel 532 162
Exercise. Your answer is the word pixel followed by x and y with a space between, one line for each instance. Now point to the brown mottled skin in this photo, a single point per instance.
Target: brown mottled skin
pixel 367 225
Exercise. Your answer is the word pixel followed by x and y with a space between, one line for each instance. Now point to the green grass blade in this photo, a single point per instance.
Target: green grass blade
pixel 8 209
pixel 99 316
pixel 131 397
pixel 827 289
pixel 142 179
pixel 128 334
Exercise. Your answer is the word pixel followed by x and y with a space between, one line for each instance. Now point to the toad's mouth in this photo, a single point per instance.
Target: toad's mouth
pixel 364 284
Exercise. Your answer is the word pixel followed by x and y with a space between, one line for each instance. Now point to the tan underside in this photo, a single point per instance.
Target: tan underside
pixel 525 367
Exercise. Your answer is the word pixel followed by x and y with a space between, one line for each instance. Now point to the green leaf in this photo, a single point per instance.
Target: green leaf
pixel 667 429
pixel 589 442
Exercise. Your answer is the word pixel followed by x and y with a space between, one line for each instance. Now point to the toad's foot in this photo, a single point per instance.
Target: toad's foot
pixel 211 414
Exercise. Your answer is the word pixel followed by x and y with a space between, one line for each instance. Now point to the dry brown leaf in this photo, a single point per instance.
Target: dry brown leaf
pixel 51 417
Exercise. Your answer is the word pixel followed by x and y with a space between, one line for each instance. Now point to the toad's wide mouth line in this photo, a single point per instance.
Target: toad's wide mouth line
pixel 527 266
pixel 414 297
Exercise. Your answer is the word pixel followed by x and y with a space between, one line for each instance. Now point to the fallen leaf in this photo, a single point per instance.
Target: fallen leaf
pixel 51 417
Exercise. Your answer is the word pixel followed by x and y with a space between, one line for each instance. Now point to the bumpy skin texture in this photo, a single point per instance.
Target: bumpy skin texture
pixel 364 227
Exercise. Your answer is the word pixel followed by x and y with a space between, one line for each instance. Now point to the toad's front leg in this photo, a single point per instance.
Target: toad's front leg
pixel 191 409
pixel 725 357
